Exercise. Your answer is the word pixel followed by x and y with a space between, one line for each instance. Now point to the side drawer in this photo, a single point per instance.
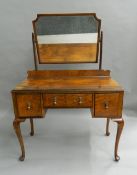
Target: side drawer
pixel 29 105
pixel 108 105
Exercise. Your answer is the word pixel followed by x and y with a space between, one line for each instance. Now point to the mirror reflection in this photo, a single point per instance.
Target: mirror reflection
pixel 78 32
pixel 66 29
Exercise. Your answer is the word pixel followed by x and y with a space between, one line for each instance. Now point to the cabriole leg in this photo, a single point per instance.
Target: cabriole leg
pixel 107 127
pixel 16 125
pixel 32 127
pixel 120 125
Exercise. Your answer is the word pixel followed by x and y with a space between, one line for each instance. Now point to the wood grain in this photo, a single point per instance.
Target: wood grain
pixel 44 74
pixel 108 105
pixel 54 100
pixel 65 53
pixel 29 105
pixel 79 100
pixel 67 100
pixel 68 84
pixel 120 125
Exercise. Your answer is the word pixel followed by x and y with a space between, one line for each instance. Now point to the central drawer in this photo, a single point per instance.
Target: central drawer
pixel 54 100
pixel 67 100
pixel 79 100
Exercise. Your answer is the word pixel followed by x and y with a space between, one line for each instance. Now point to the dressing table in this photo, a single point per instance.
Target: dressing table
pixel 67 39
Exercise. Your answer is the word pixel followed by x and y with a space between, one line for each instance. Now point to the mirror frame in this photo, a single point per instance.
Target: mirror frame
pixel 35 40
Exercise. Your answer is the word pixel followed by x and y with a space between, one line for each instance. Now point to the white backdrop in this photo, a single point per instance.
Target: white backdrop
pixel 119 23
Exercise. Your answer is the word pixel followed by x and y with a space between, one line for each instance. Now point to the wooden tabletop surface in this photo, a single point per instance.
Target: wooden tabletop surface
pixel 70 84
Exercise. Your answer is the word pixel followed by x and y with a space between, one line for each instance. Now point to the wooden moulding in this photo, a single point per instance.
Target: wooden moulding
pixel 42 74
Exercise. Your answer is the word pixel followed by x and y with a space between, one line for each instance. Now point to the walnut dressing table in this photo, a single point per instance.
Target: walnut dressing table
pixel 67 38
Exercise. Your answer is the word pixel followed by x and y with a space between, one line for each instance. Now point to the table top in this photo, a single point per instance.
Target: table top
pixel 66 83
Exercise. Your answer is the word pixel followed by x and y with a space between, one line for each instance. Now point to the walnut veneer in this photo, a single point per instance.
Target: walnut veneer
pixel 67 38
pixel 93 89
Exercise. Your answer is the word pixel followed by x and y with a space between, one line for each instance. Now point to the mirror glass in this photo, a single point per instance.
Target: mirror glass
pixel 66 38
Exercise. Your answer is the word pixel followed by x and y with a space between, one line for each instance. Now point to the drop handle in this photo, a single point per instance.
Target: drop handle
pixel 106 104
pixel 29 107
pixel 80 100
pixel 54 100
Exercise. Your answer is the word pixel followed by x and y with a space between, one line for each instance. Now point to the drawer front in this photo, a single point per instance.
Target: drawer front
pixel 67 100
pixel 54 100
pixel 29 105
pixel 79 100
pixel 108 105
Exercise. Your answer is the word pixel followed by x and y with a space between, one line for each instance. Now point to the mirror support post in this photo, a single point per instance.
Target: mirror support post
pixel 34 52
pixel 101 45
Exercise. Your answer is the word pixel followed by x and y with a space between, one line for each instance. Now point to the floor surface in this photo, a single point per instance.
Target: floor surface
pixel 68 142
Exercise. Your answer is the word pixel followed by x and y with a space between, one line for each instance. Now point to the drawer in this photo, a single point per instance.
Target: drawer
pixel 29 105
pixel 67 100
pixel 54 100
pixel 79 100
pixel 108 105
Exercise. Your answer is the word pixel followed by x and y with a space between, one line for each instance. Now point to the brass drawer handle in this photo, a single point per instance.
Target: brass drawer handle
pixel 80 100
pixel 54 100
pixel 29 107
pixel 106 104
